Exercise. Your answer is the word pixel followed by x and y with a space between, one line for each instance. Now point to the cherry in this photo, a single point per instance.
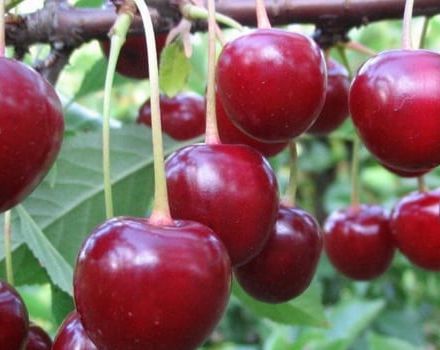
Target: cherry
pixel 406 173
pixel 140 286
pixel 335 109
pixel 38 339
pixel 229 133
pixel 72 336
pixel 31 126
pixel 358 241
pixel 182 116
pixel 395 108
pixel 415 224
pixel 272 83
pixel 285 267
pixel 14 319
pixel 229 188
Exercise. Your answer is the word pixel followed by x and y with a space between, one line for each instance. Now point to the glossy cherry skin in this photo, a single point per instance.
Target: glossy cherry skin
pixel 72 336
pixel 395 106
pixel 335 109
pixel 229 133
pixel 138 286
pixel 406 173
pixel 272 83
pixel 415 224
pixel 31 130
pixel 14 319
pixel 182 116
pixel 229 188
pixel 133 61
pixel 358 241
pixel 38 339
pixel 285 267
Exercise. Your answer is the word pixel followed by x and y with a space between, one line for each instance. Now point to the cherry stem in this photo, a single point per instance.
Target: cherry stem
pixel 2 28
pixel 355 176
pixel 290 196
pixel 343 54
pixel 358 47
pixel 262 18
pixel 211 133
pixel 421 184
pixel 161 209
pixel 8 247
pixel 424 33
pixel 407 17
pixel 118 34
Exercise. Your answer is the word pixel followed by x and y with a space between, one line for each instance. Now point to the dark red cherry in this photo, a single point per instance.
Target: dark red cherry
pixel 14 319
pixel 285 267
pixel 138 286
pixel 335 109
pixel 183 116
pixel 358 241
pixel 31 130
pixel 72 336
pixel 229 188
pixel 272 83
pixel 229 133
pixel 38 339
pixel 395 106
pixel 415 224
pixel 406 173
pixel 133 61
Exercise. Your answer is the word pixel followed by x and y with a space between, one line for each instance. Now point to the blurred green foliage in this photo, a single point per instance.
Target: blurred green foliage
pixel 400 310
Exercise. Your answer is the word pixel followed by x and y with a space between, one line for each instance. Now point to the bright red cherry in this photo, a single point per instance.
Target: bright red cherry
pixel 406 173
pixel 272 83
pixel 229 133
pixel 31 130
pixel 14 319
pixel 183 116
pixel 358 241
pixel 229 188
pixel 335 109
pixel 38 339
pixel 285 267
pixel 72 336
pixel 415 224
pixel 138 286
pixel 395 106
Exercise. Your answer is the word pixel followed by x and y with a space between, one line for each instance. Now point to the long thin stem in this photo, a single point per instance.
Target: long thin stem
pixel 161 210
pixel 343 54
pixel 2 28
pixel 211 134
pixel 262 17
pixel 355 176
pixel 118 35
pixel 8 247
pixel 423 34
pixel 407 17
pixel 290 197
pixel 421 184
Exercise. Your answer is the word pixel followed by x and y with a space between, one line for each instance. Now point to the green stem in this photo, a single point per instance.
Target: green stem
pixel 421 184
pixel 118 35
pixel 359 48
pixel 2 28
pixel 12 3
pixel 8 248
pixel 355 176
pixel 161 210
pixel 423 35
pixel 262 18
pixel 290 196
pixel 211 133
pixel 343 54
pixel 407 17
pixel 194 12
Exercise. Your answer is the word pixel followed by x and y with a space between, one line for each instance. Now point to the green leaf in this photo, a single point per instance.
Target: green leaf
pixel 88 3
pixel 378 342
pixel 304 310
pixel 174 69
pixel 67 210
pixel 62 304
pixel 58 269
